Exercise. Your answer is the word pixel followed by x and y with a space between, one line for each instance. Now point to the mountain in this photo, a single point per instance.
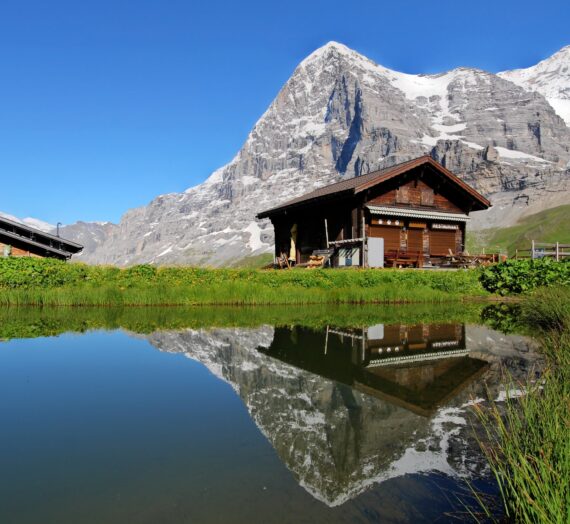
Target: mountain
pixel 342 115
pixel 550 78
pixel 90 235
pixel 31 222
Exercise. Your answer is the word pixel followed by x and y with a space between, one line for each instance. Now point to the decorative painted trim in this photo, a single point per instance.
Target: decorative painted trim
pixel 449 227
pixel 416 213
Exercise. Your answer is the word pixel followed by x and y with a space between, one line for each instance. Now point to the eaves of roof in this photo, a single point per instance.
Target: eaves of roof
pixel 362 183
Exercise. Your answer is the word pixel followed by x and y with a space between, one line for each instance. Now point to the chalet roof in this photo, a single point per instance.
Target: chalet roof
pixel 37 238
pixel 361 183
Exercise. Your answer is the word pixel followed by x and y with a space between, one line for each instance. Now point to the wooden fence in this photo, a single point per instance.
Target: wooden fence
pixel 557 251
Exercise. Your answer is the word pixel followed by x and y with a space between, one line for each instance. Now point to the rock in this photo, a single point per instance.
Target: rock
pixel 491 154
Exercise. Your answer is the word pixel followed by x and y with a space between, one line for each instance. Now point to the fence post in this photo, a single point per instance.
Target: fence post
pixel 557 251
pixel 363 241
pixel 532 251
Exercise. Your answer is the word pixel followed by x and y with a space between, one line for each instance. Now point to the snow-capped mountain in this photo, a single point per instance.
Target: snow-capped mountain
pixel 550 78
pixel 342 115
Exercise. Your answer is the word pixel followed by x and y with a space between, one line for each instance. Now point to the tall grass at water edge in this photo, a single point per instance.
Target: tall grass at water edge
pixel 527 440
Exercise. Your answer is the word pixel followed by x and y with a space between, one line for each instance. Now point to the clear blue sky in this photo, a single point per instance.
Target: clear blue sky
pixel 107 104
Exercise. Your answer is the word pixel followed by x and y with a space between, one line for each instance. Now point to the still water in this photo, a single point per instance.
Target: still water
pixel 272 422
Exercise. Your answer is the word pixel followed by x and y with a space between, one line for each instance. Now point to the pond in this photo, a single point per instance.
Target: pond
pixel 247 415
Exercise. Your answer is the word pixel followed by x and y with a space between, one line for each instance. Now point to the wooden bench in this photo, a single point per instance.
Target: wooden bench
pixel 404 258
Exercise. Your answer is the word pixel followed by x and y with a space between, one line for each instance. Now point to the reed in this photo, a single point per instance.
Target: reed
pixel 527 440
pixel 230 293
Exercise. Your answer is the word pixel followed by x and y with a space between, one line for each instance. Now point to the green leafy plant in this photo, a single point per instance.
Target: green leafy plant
pixel 520 276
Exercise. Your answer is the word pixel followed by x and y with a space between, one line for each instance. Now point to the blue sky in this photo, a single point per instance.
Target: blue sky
pixel 107 104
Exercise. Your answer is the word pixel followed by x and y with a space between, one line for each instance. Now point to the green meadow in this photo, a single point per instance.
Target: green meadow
pixel 48 282
pixel 551 225
pixel 42 282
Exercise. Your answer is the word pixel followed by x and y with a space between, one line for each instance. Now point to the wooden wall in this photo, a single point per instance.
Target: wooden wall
pixel 408 237
pixel 17 252
pixel 418 195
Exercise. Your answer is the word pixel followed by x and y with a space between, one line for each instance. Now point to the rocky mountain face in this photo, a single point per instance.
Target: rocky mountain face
pixel 338 441
pixel 89 234
pixel 342 115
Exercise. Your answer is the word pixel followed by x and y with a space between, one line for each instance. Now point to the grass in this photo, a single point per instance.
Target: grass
pixel 42 282
pixel 254 262
pixel 234 293
pixel 527 440
pixel 551 225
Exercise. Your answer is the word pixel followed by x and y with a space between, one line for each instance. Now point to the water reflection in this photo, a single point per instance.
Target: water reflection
pixel 348 408
pixel 418 367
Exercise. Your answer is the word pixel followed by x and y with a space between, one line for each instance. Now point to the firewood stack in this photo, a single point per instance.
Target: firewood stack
pixel 315 261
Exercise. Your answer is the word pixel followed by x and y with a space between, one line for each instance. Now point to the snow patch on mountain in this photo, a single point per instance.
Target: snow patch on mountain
pixel 550 77
pixel 518 155
pixel 254 243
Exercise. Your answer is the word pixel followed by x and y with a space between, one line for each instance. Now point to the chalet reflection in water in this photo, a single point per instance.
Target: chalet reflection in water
pixel 418 367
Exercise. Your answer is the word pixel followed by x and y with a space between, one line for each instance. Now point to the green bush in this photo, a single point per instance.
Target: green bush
pixel 39 272
pixel 519 276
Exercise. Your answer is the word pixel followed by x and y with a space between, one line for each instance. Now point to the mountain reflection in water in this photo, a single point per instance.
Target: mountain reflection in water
pixel 348 408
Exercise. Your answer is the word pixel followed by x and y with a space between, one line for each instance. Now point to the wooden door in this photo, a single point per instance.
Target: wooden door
pixel 390 234
pixel 441 241
pixel 416 240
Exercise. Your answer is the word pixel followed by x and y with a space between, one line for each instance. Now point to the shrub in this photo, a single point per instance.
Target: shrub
pixel 39 272
pixel 519 276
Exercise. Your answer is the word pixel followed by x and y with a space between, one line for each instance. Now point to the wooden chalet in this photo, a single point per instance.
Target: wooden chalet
pixel 20 240
pixel 410 214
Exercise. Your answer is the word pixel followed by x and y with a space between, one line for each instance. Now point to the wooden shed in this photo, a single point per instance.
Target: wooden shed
pixel 413 213
pixel 20 240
